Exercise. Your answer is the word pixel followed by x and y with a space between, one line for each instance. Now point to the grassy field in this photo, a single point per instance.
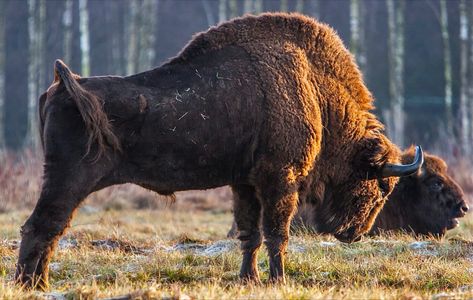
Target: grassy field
pixel 177 253
pixel 128 243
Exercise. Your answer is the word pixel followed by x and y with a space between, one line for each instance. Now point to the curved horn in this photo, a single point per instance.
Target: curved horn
pixel 390 170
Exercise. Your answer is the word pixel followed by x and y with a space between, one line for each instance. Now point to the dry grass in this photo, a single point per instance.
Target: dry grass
pixel 163 253
pixel 128 241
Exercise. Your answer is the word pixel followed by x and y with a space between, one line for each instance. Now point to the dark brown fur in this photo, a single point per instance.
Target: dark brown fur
pixel 426 203
pixel 272 105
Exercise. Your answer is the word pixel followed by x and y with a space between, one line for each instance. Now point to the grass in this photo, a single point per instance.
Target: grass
pixel 167 253
pixel 127 242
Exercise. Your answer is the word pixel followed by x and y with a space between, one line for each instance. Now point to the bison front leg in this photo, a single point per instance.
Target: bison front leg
pixel 247 210
pixel 41 231
pixel 279 204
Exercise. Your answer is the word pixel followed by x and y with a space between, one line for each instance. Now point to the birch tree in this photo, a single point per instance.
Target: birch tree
pixel 222 10
pixel 357 30
pixel 233 7
pixel 258 6
pixel 134 40
pixel 149 9
pixel 470 78
pixel 464 110
pixel 395 116
pixel 75 60
pixel 300 5
pixel 248 6
pixel 447 65
pixel 284 5
pixel 84 37
pixel 37 80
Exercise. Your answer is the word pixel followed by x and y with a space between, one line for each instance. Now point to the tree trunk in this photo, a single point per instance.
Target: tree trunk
pixel 222 10
pixel 54 42
pixel 147 30
pixel 209 14
pixel 464 116
pixel 134 37
pixel 16 74
pixel 68 33
pixel 119 18
pixel 357 30
pixel 284 5
pixel 100 38
pixel 84 37
pixel 300 5
pixel 37 80
pixel 233 7
pixel 447 65
pixel 395 117
pixel 258 6
pixel 75 61
pixel 470 79
pixel 248 6
pixel 2 70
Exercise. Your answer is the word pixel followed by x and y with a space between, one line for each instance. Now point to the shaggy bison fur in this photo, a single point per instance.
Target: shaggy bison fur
pixel 273 106
pixel 428 202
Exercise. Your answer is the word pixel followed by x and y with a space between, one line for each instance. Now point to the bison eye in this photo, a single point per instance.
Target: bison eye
pixel 436 186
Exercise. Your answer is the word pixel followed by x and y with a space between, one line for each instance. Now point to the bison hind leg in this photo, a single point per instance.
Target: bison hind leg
pixel 65 186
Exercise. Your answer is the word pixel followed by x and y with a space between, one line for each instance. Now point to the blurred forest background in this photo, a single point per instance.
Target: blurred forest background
pixel 416 55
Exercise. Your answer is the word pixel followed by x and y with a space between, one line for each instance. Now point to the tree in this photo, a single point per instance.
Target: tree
pixel 284 5
pixel 75 59
pixel 37 81
pixel 464 110
pixel 447 65
pixel 395 116
pixel 470 79
pixel 2 65
pixel 222 10
pixel 16 73
pixel 300 5
pixel 84 37
pixel 357 30
pixel 100 35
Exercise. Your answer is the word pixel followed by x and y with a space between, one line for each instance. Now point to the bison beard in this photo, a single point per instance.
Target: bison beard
pixel 270 105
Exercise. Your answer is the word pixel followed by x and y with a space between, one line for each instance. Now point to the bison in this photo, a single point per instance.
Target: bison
pixel 428 202
pixel 272 105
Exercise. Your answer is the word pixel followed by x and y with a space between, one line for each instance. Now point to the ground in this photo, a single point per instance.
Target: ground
pixel 180 251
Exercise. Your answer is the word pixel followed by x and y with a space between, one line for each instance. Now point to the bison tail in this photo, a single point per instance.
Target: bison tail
pixel 99 129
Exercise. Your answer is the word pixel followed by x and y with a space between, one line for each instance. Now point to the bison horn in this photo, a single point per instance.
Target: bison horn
pixel 390 170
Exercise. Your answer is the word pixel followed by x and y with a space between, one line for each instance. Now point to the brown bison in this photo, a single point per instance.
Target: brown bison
pixel 273 106
pixel 428 202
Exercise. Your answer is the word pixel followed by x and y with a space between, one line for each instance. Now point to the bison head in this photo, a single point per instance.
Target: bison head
pixel 431 201
pixel 352 200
